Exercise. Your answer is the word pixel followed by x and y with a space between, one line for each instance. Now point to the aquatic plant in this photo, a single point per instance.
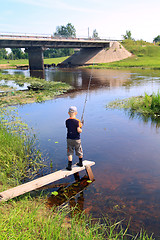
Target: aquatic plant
pixel 147 105
pixel 39 90
pixel 19 156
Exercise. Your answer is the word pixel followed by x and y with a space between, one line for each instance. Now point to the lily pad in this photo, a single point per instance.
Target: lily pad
pixel 55 193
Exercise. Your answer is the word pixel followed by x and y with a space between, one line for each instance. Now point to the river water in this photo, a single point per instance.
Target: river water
pixel 126 149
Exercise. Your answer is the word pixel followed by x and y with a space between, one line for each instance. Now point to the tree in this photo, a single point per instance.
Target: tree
pixel 3 53
pixel 95 34
pixel 17 53
pixel 128 35
pixel 62 31
pixel 65 31
pixel 156 39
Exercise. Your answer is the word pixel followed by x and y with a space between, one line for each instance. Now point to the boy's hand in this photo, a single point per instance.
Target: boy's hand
pixel 82 122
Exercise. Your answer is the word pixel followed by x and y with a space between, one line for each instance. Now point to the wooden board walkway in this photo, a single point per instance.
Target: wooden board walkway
pixel 42 181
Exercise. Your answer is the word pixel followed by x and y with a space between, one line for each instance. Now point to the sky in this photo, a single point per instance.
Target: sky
pixel 111 18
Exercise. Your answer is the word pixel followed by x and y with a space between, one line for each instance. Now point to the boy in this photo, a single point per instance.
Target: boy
pixel 74 128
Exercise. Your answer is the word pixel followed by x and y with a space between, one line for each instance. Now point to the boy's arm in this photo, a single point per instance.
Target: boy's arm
pixel 79 129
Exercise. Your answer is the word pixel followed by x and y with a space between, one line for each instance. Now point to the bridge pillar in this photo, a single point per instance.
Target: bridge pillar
pixel 35 55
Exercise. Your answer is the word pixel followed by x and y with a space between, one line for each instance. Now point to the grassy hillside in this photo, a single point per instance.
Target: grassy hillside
pixel 141 48
pixel 145 55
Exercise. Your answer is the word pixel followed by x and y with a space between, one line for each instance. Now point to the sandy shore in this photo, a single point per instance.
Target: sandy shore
pixel 6 66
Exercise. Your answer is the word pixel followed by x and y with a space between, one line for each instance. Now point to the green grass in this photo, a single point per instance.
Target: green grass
pixel 30 218
pixel 26 62
pixel 133 62
pixel 14 62
pixel 54 60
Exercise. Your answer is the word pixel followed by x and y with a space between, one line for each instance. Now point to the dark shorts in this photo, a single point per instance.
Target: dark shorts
pixel 74 145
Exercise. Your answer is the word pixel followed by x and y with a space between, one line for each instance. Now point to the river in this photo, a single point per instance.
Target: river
pixel 126 149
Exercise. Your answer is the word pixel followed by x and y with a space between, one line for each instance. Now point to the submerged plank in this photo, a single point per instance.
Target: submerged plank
pixel 89 172
pixel 42 181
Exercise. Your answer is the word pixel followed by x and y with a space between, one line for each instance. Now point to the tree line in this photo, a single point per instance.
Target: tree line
pixel 128 35
pixel 67 31
pixel 16 53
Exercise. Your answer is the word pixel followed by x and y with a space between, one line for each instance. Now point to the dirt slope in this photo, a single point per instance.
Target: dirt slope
pixel 93 55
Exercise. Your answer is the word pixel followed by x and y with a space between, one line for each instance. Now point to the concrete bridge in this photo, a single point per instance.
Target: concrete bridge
pixel 35 45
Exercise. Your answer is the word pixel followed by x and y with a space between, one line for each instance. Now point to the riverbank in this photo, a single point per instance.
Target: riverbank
pixel 132 63
pixel 9 64
pixel 29 218
pixel 38 90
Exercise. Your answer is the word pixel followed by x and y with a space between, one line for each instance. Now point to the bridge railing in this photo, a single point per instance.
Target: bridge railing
pixel 16 35
pixel 47 36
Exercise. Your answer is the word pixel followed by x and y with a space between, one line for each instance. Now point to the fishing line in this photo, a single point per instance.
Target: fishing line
pixel 90 79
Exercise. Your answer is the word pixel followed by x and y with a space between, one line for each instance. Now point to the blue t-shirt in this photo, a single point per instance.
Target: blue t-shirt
pixel 72 124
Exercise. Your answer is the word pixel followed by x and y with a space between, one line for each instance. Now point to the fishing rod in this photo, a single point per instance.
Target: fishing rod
pixel 90 79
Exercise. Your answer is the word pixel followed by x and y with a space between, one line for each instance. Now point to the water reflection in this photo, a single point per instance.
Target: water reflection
pixel 69 193
pixel 80 79
pixel 37 73
pixel 155 120
pixel 26 73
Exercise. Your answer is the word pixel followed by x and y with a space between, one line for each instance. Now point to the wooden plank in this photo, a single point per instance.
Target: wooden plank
pixel 42 181
pixel 89 172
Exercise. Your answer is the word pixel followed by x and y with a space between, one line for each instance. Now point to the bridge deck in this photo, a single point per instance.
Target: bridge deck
pixel 26 42
pixel 42 181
